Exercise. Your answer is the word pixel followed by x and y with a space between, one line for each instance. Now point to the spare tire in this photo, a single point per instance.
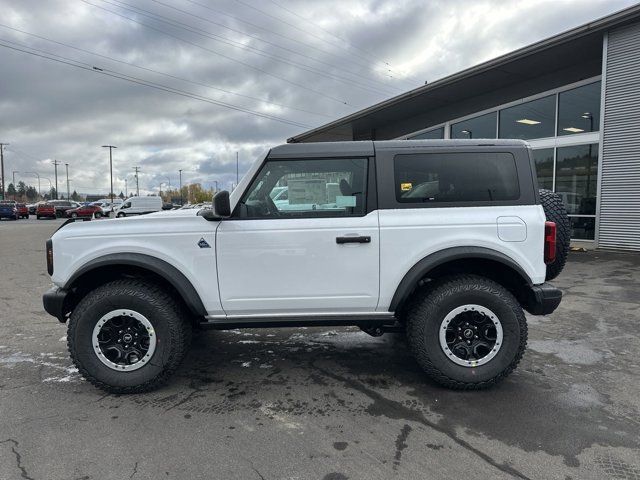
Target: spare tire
pixel 555 212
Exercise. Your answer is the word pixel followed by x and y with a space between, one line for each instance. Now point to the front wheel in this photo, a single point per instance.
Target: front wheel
pixel 98 214
pixel 120 215
pixel 467 332
pixel 128 336
pixel 74 215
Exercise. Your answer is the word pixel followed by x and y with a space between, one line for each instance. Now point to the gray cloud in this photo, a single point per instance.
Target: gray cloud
pixel 49 110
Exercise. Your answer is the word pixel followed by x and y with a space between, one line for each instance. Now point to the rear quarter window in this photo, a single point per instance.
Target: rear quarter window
pixel 456 177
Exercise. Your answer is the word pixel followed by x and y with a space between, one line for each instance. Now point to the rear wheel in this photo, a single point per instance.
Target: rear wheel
pixel 120 215
pixel 74 215
pixel 128 336
pixel 466 332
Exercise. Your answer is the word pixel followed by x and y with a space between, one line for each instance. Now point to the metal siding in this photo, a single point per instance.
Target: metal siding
pixel 619 223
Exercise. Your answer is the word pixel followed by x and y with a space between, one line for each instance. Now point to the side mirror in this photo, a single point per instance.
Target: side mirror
pixel 221 204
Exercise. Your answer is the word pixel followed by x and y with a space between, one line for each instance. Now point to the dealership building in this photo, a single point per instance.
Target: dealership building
pixel 574 97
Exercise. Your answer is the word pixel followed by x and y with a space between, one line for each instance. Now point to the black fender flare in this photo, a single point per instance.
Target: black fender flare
pixel 428 263
pixel 153 264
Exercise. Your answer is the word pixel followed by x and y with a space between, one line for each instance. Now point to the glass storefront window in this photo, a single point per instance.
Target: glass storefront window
pixel 579 110
pixel 435 134
pixel 483 126
pixel 583 228
pixel 534 119
pixel 577 178
pixel 544 167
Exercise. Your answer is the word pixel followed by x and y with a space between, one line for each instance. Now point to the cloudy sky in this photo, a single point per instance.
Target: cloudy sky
pixel 185 84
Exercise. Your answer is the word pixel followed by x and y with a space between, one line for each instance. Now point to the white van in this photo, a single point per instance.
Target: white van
pixel 138 206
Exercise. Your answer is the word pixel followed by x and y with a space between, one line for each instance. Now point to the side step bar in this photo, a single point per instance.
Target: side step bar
pixel 384 320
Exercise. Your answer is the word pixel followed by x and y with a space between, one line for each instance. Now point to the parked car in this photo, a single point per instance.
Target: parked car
pixel 139 206
pixel 23 211
pixel 62 206
pixel 454 268
pixel 32 207
pixel 46 210
pixel 9 210
pixel 85 211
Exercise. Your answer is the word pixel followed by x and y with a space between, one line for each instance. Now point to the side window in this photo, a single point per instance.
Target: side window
pixel 455 177
pixel 307 188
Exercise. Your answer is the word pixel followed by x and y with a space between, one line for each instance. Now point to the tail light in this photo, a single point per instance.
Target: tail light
pixel 50 257
pixel 549 242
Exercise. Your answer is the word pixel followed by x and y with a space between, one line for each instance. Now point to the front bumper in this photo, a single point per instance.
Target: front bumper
pixel 53 301
pixel 542 299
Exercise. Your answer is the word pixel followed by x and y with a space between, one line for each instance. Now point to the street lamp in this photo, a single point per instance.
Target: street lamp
pixel 13 177
pixel 467 132
pixel 110 147
pixel 68 193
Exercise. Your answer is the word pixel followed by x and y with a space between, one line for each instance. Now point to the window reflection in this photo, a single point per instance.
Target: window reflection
pixel 435 134
pixel 535 119
pixel 583 228
pixel 483 126
pixel 577 177
pixel 579 110
pixel 544 167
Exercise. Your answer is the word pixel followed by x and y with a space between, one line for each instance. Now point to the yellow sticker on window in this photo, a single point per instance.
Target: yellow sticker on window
pixel 405 187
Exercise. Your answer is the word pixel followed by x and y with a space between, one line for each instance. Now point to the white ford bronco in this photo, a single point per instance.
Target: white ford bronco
pixel 448 241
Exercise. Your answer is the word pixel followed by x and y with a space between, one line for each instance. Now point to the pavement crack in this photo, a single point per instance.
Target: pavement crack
pixel 14 447
pixel 135 470
pixel 396 410
pixel 401 444
pixel 258 473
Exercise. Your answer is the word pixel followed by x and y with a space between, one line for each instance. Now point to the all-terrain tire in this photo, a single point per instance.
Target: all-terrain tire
pixel 556 212
pixel 426 312
pixel 170 323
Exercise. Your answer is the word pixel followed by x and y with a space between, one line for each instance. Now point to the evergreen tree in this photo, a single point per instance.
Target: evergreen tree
pixel 32 194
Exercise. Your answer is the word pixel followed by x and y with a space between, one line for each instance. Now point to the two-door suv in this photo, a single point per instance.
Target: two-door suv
pixel 449 240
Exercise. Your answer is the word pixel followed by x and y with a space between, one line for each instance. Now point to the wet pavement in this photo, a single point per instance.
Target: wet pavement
pixel 326 403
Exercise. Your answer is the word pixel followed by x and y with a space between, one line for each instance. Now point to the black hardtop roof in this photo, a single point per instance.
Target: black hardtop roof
pixel 368 147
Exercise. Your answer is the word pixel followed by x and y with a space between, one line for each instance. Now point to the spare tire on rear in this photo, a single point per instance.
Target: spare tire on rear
pixel 556 212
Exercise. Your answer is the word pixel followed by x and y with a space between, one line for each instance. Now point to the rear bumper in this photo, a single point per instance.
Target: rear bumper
pixel 53 301
pixel 542 299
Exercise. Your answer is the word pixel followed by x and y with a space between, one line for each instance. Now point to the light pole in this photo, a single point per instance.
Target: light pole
pixel 237 168
pixel 110 147
pixel 137 169
pixel 2 145
pixel 181 202
pixel 13 177
pixel 68 191
pixel 55 167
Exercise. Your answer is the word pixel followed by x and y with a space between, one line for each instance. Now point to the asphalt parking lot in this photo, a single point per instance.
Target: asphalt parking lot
pixel 326 403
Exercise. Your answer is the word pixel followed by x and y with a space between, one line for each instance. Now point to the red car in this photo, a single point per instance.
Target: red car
pixel 23 211
pixel 46 210
pixel 85 211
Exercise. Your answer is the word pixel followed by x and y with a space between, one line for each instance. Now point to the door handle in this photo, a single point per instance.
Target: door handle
pixel 353 239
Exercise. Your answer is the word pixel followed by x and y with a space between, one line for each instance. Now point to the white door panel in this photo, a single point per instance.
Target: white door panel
pixel 295 265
